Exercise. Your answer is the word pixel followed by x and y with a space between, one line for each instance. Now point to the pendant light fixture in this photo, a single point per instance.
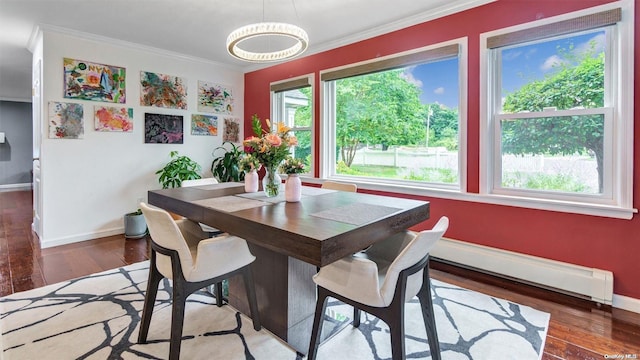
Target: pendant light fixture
pixel 266 30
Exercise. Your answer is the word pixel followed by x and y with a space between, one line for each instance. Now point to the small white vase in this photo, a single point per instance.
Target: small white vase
pixel 251 181
pixel 293 188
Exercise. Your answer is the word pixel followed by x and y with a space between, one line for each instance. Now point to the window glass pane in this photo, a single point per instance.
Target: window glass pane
pixel 297 115
pixel 561 73
pixel 560 153
pixel 399 124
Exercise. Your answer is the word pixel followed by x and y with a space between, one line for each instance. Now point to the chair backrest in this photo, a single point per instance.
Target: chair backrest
pixel 334 185
pixel 198 182
pixel 165 232
pixel 414 251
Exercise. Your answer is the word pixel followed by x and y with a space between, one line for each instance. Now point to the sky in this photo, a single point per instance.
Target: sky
pixel 520 64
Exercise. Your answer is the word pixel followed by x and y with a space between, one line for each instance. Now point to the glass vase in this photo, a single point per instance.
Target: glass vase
pixel 271 181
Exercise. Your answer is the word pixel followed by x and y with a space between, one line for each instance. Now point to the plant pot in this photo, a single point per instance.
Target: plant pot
pixel 135 226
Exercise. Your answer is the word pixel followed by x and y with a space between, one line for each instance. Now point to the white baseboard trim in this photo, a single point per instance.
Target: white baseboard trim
pixel 626 303
pixel 15 187
pixel 81 237
pixel 580 281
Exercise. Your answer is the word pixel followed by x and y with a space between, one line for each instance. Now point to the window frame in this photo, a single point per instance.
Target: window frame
pixel 618 201
pixel 278 109
pixel 394 61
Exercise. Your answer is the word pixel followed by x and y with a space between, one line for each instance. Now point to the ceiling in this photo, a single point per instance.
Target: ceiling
pixel 199 28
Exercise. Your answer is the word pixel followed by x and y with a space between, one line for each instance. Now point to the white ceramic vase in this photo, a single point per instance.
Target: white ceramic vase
pixel 293 188
pixel 251 181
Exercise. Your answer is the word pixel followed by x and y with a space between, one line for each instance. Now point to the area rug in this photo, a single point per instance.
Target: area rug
pixel 97 317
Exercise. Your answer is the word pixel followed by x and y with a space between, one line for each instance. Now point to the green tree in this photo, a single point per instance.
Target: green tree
pixel 380 108
pixel 443 126
pixel 575 83
pixel 303 118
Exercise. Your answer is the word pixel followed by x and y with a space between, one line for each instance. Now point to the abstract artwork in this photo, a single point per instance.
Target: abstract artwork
pixel 161 90
pixel 91 81
pixel 231 129
pixel 66 120
pixel 204 125
pixel 214 98
pixel 109 118
pixel 163 129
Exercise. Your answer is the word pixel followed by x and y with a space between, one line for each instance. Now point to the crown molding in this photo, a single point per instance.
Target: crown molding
pixel 386 28
pixel 131 45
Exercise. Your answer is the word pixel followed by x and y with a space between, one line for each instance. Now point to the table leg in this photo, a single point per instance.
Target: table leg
pixel 286 295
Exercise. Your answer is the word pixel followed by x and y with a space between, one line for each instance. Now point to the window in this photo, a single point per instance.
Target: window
pixel 396 120
pixel 292 104
pixel 557 116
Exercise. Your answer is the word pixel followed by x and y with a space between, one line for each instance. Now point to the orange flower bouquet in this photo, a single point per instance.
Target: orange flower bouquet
pixel 270 148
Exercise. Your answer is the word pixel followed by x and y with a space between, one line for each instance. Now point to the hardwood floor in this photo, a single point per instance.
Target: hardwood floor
pixel 578 329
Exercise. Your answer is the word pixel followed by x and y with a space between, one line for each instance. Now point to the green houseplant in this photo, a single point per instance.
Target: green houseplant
pixel 178 169
pixel 226 166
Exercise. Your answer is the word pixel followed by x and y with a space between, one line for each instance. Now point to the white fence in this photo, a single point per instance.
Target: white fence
pixel 582 169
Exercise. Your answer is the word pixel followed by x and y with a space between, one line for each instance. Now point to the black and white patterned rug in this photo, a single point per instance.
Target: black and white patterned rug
pixel 97 316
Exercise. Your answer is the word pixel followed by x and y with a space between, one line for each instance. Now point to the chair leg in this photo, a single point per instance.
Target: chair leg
pixel 356 317
pixel 395 320
pixel 251 294
pixel 426 303
pixel 149 300
pixel 177 318
pixel 219 298
pixel 318 320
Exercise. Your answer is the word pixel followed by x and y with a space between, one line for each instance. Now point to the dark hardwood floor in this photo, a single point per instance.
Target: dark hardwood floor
pixel 578 329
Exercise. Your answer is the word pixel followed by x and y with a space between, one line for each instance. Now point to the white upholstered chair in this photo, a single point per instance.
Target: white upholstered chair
pixel 380 281
pixel 192 262
pixel 335 185
pixel 199 182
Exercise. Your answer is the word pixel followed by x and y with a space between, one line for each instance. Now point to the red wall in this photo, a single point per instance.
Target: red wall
pixel 591 241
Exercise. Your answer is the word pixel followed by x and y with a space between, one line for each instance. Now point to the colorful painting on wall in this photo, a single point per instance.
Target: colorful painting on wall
pixel 91 81
pixel 231 129
pixel 163 129
pixel 204 125
pixel 214 98
pixel 109 118
pixel 66 120
pixel 161 90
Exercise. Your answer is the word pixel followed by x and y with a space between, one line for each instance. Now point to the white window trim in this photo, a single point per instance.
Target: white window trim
pixel 622 168
pixel 328 143
pixel 276 114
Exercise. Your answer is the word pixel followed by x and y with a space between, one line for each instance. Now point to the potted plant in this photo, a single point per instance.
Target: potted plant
pixel 178 169
pixel 250 165
pixel 135 226
pixel 293 185
pixel 226 166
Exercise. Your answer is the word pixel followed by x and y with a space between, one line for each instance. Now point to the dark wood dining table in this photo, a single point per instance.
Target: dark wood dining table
pixel 291 240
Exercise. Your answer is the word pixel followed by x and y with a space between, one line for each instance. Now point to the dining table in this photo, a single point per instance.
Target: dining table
pixel 291 240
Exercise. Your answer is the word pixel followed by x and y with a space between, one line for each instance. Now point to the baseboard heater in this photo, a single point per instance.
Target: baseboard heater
pixel 580 281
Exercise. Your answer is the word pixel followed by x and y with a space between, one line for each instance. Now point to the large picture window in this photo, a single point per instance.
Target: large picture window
pixel 556 113
pixel 396 120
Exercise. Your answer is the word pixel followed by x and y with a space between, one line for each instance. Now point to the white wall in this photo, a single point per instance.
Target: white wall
pixel 89 184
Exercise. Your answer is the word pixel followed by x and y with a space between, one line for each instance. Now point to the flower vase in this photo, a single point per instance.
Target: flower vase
pixel 293 188
pixel 251 181
pixel 271 182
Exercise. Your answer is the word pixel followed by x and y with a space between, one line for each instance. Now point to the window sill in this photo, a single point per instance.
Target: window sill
pixel 522 202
